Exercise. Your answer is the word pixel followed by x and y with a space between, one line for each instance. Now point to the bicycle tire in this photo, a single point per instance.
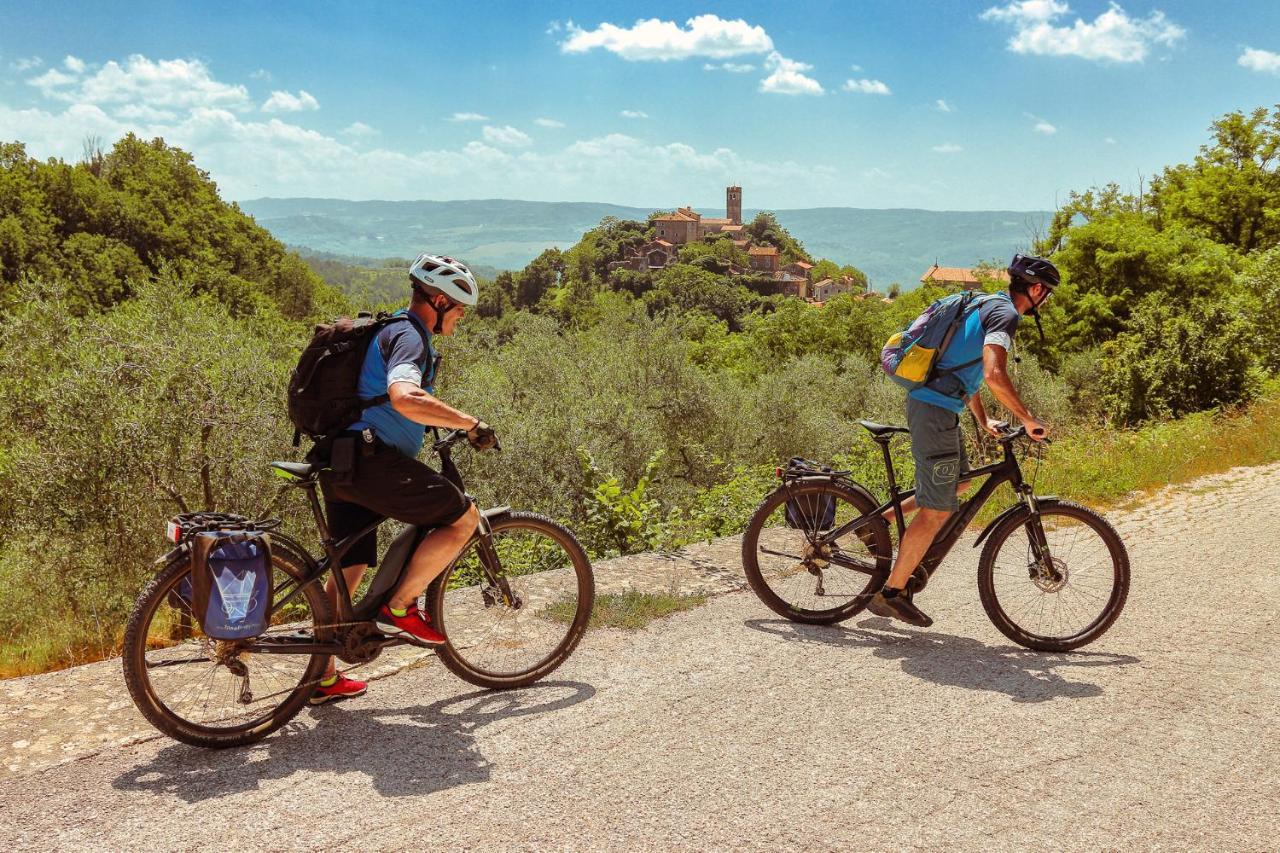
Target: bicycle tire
pixel 169 721
pixel 875 537
pixel 1097 626
pixel 461 662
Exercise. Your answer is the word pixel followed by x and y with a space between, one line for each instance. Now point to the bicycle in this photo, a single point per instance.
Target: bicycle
pixel 513 604
pixel 818 548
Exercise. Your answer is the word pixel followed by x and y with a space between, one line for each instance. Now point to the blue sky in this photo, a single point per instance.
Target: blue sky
pixel 862 104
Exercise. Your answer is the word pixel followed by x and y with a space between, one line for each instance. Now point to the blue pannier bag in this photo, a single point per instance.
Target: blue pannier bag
pixel 231 583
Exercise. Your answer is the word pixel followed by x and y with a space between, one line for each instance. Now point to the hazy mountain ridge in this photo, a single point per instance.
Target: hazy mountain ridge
pixel 889 245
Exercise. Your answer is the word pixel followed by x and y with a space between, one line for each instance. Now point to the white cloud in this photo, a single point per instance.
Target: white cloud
pixel 74 64
pixel 1113 36
pixel 943 107
pixel 1260 60
pixel 143 112
pixel 253 157
pixel 1110 140
pixel 948 148
pixel 173 83
pixel 866 87
pixel 506 136
pixel 655 40
pixel 286 102
pixel 548 122
pixel 788 78
pixel 468 117
pixel 634 114
pixel 1039 125
pixel 261 74
pixel 359 130
pixel 28 63
pixel 731 67
pixel 855 67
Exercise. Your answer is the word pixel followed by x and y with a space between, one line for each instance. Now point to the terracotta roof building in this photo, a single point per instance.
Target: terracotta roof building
pixel 763 258
pixel 967 279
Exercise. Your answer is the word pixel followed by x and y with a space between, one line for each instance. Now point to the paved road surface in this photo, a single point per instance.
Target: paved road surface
pixel 727 728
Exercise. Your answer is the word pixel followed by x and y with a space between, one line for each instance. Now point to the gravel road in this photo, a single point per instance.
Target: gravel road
pixel 727 728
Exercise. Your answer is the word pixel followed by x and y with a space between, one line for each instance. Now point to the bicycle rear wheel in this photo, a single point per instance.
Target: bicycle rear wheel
pixel 518 631
pixel 213 693
pixel 1082 597
pixel 798 578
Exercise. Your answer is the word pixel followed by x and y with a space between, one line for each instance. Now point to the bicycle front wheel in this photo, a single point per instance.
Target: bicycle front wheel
pixel 215 693
pixel 513 605
pixel 1070 602
pixel 799 575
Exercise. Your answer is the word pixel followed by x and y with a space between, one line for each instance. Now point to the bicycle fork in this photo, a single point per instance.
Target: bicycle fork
pixel 1042 564
pixel 496 589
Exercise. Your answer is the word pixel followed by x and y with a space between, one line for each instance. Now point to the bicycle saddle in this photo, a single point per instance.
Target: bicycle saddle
pixel 882 429
pixel 301 470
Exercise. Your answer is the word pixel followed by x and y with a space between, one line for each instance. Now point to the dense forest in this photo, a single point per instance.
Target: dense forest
pixel 147 329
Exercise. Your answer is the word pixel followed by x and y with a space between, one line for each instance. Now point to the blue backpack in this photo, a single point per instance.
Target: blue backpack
pixel 910 358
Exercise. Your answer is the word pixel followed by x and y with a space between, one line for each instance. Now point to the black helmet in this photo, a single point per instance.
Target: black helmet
pixel 1028 270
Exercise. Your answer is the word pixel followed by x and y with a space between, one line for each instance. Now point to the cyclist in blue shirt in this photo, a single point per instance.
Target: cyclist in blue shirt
pixel 387 479
pixel 933 416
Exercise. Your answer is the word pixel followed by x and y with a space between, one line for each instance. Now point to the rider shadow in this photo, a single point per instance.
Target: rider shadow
pixel 433 751
pixel 952 661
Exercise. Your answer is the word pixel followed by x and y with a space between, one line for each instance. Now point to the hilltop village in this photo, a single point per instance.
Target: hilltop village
pixel 764 266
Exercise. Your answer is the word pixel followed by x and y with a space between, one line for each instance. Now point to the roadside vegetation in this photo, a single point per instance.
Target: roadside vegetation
pixel 630 610
pixel 147 330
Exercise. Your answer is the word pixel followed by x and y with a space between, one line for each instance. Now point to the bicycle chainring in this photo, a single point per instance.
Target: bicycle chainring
pixel 361 644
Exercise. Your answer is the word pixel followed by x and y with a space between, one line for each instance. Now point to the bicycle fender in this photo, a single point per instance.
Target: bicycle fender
pixel 1047 499
pixel 496 513
pixel 862 490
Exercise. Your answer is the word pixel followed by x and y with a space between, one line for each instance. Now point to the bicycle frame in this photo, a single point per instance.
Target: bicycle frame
pixel 1007 470
pixel 335 550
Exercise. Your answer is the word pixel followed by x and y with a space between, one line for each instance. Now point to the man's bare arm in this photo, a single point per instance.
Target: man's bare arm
pixel 994 363
pixel 423 408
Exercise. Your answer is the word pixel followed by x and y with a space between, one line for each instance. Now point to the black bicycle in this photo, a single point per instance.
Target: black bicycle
pixel 1053 575
pixel 513 604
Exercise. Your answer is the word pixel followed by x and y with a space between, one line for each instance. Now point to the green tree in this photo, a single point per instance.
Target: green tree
pixel 1175 358
pixel 1231 191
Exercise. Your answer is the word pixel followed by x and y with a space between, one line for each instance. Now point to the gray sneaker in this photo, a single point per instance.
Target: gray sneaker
pixel 899 607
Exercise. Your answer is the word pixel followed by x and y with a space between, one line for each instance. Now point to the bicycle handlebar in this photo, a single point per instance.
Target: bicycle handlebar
pixel 451 438
pixel 1013 434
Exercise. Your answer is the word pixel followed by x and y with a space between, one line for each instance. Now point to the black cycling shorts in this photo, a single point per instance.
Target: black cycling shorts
pixel 386 483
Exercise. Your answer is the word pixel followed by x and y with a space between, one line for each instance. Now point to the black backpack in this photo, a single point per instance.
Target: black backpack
pixel 323 397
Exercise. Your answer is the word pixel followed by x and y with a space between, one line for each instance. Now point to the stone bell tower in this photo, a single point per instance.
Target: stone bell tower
pixel 733 204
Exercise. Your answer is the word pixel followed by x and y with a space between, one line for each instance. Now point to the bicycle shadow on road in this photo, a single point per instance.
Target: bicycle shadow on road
pixel 953 661
pixel 432 750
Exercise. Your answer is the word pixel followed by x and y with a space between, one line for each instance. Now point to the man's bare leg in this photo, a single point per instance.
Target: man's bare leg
pixel 909 505
pixel 352 574
pixel 915 544
pixel 432 556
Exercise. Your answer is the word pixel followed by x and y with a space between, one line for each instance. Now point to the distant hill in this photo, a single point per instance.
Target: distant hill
pixel 889 245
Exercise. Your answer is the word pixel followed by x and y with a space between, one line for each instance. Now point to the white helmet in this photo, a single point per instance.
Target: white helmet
pixel 438 274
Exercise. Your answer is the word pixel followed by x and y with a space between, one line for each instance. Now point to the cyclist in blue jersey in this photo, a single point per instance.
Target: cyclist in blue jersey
pixel 933 415
pixel 386 479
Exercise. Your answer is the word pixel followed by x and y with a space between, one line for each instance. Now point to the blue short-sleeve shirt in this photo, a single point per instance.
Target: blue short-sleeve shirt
pixel 994 322
pixel 401 352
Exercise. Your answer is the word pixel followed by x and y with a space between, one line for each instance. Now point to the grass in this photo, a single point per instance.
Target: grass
pixel 630 610
pixel 1107 467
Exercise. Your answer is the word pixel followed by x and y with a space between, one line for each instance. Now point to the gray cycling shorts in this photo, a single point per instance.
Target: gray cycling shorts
pixel 937 446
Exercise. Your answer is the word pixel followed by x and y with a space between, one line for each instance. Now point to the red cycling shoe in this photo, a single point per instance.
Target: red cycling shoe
pixel 343 688
pixel 414 626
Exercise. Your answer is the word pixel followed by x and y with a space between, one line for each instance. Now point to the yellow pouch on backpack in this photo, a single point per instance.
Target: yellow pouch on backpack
pixel 915 365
